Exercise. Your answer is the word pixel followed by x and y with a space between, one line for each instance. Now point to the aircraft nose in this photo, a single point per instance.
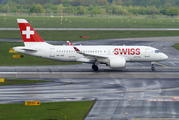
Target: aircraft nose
pixel 164 57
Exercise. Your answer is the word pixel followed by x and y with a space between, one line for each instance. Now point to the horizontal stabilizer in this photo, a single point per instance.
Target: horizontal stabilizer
pixel 30 49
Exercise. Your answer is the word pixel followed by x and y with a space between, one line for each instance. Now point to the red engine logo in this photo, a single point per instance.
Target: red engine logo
pixel 127 51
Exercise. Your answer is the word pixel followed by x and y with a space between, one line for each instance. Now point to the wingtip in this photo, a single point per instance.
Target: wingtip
pixel 22 21
pixel 76 49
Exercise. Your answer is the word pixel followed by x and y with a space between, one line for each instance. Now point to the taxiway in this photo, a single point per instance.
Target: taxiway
pixel 130 93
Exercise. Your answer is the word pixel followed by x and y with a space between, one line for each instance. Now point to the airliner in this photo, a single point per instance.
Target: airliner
pixel 112 56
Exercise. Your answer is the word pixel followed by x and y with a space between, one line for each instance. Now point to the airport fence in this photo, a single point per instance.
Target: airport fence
pixel 88 15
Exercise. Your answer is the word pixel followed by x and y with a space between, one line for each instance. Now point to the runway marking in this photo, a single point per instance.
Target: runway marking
pixel 165 100
pixel 168 89
pixel 165 96
pixel 161 64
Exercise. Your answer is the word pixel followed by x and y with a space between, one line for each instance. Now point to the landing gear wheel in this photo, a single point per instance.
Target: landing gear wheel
pixel 95 67
pixel 153 68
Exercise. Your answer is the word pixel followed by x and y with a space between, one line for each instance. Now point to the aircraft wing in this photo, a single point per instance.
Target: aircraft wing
pixel 100 58
pixel 91 55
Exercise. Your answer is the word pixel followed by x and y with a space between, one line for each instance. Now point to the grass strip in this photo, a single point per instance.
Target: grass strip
pixel 20 81
pixel 94 35
pixel 90 22
pixel 176 46
pixel 46 111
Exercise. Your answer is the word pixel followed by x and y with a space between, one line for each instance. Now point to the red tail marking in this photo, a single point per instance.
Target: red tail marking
pixel 69 43
pixel 28 33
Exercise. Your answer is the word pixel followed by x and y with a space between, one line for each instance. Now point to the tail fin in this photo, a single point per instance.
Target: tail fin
pixel 69 43
pixel 29 35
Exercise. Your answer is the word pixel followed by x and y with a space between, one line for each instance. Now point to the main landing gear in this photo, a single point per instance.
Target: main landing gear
pixel 95 67
pixel 153 68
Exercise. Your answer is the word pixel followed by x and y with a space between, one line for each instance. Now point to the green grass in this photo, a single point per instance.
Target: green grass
pixel 90 22
pixel 20 81
pixel 75 35
pixel 176 46
pixel 8 60
pixel 46 111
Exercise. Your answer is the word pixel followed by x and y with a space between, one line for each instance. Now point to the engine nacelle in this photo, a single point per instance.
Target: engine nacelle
pixel 117 62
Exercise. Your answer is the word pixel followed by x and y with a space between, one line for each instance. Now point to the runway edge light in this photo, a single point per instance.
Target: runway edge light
pixel 32 103
pixel 2 80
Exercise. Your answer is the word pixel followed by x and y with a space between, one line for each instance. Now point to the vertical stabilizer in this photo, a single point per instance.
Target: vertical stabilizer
pixel 29 35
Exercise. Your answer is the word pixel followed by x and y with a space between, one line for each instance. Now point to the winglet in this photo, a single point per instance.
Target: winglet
pixel 69 43
pixel 76 49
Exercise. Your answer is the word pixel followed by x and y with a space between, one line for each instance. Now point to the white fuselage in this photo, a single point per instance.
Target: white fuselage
pixel 67 53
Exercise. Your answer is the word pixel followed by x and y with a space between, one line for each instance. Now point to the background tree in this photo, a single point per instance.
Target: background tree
pixel 167 5
pixel 37 9
pixel 172 11
pixel 60 8
pixel 121 11
pixel 154 9
pixel 127 2
pixel 102 11
pixel 90 8
pixel 119 2
pixel 82 10
pixel 95 11
pixel 101 2
pixel 6 8
pixel 157 3
pixel 48 10
pixel 138 7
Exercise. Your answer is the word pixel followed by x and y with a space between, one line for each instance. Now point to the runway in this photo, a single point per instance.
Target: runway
pixel 135 90
pixel 84 71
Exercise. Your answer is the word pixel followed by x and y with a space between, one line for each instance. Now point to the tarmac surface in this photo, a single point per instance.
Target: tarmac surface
pixel 132 93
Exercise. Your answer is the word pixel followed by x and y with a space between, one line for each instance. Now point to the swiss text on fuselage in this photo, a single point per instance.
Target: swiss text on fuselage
pixel 127 51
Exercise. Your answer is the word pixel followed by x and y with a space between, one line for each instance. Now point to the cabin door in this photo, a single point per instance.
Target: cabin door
pixel 52 52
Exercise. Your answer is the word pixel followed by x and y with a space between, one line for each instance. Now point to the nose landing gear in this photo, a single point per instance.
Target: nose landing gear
pixel 153 68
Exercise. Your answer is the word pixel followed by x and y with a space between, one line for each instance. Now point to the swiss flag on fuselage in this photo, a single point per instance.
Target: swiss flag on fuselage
pixel 27 32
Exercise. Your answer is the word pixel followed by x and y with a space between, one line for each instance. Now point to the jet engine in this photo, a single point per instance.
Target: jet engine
pixel 117 62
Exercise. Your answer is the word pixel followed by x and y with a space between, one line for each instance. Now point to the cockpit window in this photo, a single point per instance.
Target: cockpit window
pixel 157 51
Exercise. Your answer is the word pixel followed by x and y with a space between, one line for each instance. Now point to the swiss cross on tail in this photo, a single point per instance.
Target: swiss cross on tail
pixel 27 32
